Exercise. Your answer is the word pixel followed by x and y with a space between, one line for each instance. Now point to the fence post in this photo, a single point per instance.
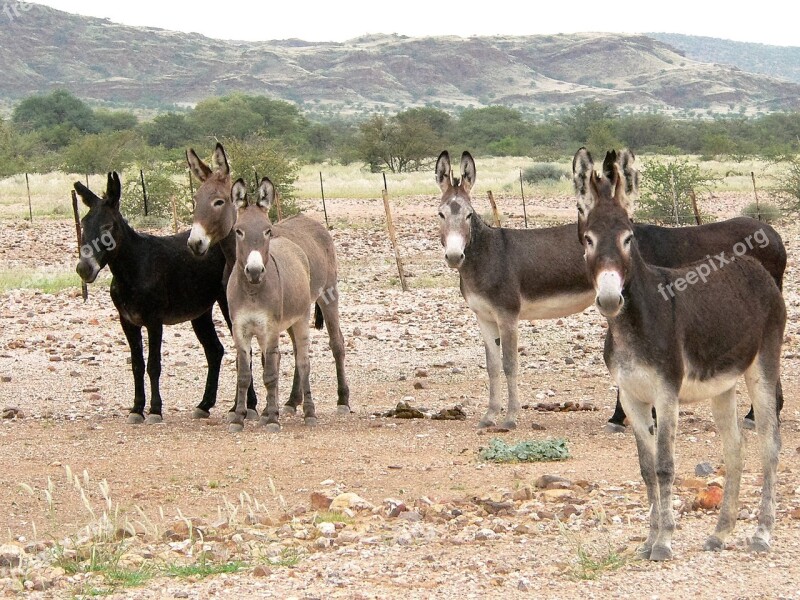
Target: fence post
pixel 144 191
pixel 322 191
pixel 494 209
pixel 392 235
pixel 524 208
pixel 84 287
pixel 755 192
pixel 30 206
pixel 694 206
pixel 674 197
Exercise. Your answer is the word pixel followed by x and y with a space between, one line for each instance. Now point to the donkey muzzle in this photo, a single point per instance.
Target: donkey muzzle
pixel 198 240
pixel 87 269
pixel 609 298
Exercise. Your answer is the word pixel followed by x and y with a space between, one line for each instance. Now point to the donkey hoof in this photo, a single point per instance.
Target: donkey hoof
pixel 660 553
pixel 343 409
pixel 749 424
pixel 310 421
pixel 713 544
pixel 757 544
pixel 252 414
pixel 154 419
pixel 643 552
pixel 485 423
pixel 199 413
pixel 614 428
pixel 509 425
pixel 231 417
pixel 288 410
pixel 236 427
pixel 135 419
pixel 271 427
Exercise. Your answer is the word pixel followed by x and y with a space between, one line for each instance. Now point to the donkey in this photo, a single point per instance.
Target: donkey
pixel 156 282
pixel 215 214
pixel 508 274
pixel 269 291
pixel 691 346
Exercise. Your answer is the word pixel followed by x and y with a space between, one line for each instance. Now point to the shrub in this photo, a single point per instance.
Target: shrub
pixel 787 188
pixel 162 182
pixel 542 172
pixel 667 189
pixel 769 213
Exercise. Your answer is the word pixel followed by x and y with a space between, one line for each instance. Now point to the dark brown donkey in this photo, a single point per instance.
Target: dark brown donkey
pixel 268 292
pixel 686 347
pixel 510 274
pixel 214 217
pixel 156 282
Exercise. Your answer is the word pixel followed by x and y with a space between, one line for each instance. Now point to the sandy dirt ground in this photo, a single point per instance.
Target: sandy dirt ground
pixel 87 500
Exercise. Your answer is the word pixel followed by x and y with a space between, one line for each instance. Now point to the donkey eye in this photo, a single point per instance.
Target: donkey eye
pixel 441 215
pixel 580 210
pixel 588 241
pixel 469 216
pixel 267 233
pixel 240 233
pixel 219 202
pixel 627 241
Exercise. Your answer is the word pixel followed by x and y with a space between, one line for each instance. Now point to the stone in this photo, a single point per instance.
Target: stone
pixel 708 499
pixel 349 500
pixel 11 555
pixel 552 482
pixel 320 501
pixel 704 469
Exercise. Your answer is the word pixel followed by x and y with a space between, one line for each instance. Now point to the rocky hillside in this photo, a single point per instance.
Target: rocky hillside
pixel 103 61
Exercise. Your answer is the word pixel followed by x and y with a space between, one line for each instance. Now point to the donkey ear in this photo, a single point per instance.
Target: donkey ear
pixel 88 197
pixel 609 164
pixel 200 169
pixel 266 194
pixel 443 171
pixel 467 171
pixel 620 192
pixel 629 171
pixel 582 170
pixel 113 190
pixel 221 160
pixel 239 194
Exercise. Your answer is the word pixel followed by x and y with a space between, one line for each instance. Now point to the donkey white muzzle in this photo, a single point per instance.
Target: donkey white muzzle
pixel 88 269
pixel 254 269
pixel 608 286
pixel 198 240
pixel 454 250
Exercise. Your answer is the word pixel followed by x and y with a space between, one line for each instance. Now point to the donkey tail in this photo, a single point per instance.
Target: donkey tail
pixel 319 320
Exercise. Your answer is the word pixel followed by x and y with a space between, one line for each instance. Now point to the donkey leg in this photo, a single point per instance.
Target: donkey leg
pixel 616 424
pixel 271 358
pixel 133 334
pixel 300 334
pixel 641 420
pixel 222 301
pixel 328 305
pixel 723 409
pixel 244 378
pixel 296 395
pixel 509 336
pixel 750 420
pixel 154 335
pixel 761 378
pixel 667 411
pixel 491 341
pixel 214 350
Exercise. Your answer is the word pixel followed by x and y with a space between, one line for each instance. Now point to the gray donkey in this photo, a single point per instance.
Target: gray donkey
pixel 269 291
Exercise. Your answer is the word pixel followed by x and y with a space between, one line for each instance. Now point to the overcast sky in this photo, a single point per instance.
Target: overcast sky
pixel 767 21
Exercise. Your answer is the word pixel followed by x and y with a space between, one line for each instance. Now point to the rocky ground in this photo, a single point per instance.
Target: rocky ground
pixel 363 506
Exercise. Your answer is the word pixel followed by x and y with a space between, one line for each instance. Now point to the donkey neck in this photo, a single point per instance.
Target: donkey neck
pixel 128 254
pixel 484 243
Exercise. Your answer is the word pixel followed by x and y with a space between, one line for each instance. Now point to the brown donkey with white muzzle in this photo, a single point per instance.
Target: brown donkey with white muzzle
pixel 268 292
pixel 663 350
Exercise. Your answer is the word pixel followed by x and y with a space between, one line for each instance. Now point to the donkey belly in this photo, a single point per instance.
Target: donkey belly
pixel 556 306
pixel 695 390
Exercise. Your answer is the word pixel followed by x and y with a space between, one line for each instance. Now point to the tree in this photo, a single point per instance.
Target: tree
pixel 230 117
pixel 58 118
pixel 115 120
pixel 497 127
pixel 405 142
pixel 582 118
pixel 170 130
pixel 667 189
pixel 101 152
pixel 787 188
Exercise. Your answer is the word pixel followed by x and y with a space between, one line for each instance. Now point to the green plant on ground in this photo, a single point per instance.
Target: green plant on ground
pixel 667 188
pixel 763 211
pixel 203 568
pixel 542 172
pixel 332 517
pixel 552 449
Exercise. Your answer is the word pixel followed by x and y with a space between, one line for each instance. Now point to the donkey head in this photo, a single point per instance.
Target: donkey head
pixel 253 229
pixel 607 237
pixel 455 208
pixel 214 212
pixel 100 227
pixel 583 167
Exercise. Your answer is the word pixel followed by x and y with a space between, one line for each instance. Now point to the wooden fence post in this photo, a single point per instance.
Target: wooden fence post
pixel 322 191
pixel 755 191
pixel 84 287
pixel 494 209
pixel 144 191
pixel 30 206
pixel 694 206
pixel 392 235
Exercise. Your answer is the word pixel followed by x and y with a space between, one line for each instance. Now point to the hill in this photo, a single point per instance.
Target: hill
pixel 106 62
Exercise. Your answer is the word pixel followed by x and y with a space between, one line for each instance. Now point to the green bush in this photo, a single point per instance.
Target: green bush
pixel 527 451
pixel 769 213
pixel 543 172
pixel 163 182
pixel 667 189
pixel 787 188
